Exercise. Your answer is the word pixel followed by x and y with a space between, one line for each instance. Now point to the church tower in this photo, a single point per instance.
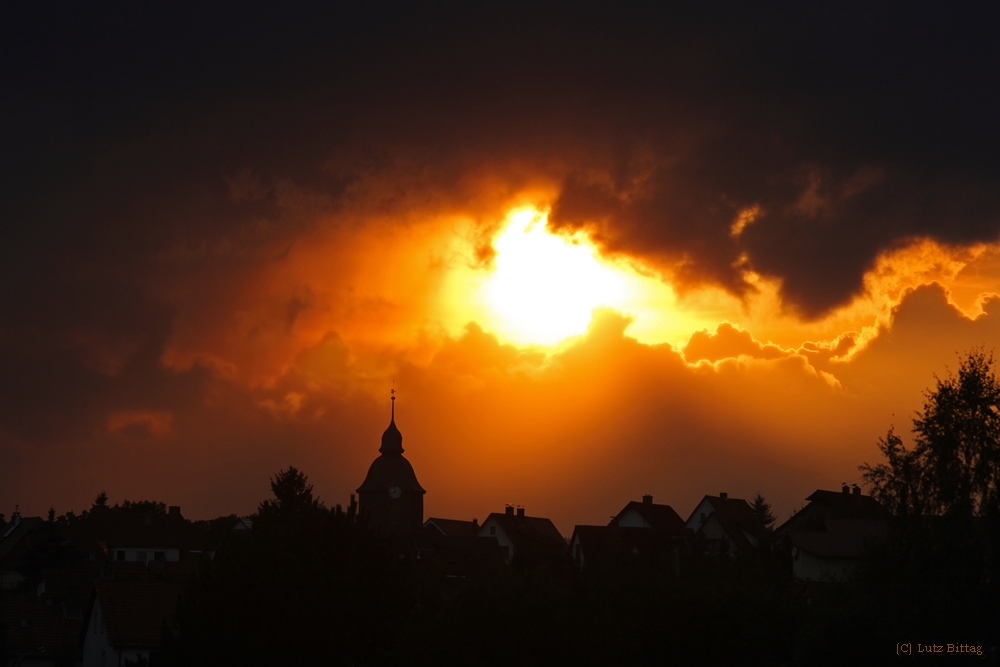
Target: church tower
pixel 391 496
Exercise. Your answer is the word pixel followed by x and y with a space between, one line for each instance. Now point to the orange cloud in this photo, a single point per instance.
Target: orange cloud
pixel 141 424
pixel 728 341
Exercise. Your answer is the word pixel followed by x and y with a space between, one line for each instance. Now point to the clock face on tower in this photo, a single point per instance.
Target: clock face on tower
pixel 395 492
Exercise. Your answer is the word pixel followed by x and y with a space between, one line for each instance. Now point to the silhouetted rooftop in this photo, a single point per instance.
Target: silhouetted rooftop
pixel 657 516
pixel 453 527
pixel 832 505
pixel 528 530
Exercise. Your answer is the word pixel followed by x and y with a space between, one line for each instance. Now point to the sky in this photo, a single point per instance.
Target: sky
pixel 599 251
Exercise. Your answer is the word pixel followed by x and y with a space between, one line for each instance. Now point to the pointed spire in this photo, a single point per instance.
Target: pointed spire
pixel 392 439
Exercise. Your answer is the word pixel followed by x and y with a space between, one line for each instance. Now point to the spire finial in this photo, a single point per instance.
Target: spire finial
pixel 392 439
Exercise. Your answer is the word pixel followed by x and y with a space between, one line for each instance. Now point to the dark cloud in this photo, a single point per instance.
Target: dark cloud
pixel 158 161
pixel 662 123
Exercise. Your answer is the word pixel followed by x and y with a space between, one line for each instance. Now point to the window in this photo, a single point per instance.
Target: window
pixel 140 556
pixel 158 555
pixel 120 555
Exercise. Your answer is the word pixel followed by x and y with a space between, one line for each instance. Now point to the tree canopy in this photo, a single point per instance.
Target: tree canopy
pixel 953 468
pixel 762 510
pixel 938 570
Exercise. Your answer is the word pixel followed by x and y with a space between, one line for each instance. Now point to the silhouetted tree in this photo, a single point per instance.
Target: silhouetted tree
pixel 954 466
pixel 306 585
pixel 292 493
pixel 762 510
pixel 938 571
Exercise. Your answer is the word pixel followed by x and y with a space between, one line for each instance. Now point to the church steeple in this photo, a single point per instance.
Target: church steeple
pixel 392 439
pixel 391 496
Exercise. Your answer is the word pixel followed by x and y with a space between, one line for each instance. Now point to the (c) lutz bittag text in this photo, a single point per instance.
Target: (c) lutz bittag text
pixel 910 649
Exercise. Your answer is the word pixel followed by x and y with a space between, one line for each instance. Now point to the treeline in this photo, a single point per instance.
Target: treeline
pixel 312 585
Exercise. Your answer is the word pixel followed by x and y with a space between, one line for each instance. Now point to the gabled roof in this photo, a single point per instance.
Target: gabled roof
pixel 832 505
pixel 737 518
pixel 15 535
pixel 453 527
pixel 133 613
pixel 657 516
pixel 528 531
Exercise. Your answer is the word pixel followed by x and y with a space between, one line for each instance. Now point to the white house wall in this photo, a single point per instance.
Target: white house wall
pixel 492 529
pixel 632 519
pixel 96 651
pixel 712 531
pixel 695 520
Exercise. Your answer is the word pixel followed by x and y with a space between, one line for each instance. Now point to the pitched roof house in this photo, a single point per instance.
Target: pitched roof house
pixel 828 536
pixel 640 532
pixel 727 525
pixel 517 532
pixel 453 527
pixel 648 515
pixel 20 534
pixel 850 503
pixel 126 620
pixel 165 537
pixel 452 548
pixel 832 554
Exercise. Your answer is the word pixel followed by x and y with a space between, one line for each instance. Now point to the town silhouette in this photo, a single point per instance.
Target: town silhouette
pixel 847 579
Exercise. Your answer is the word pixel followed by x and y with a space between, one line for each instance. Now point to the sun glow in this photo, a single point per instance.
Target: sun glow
pixel 544 286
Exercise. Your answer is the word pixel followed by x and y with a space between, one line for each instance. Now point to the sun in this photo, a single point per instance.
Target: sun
pixel 544 286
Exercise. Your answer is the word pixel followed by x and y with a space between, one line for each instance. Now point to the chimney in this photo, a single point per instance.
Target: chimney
pixel 475 522
pixel 856 490
pixel 174 511
pixel 647 499
pixel 509 510
pixel 723 495
pixel 520 511
pixel 844 488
